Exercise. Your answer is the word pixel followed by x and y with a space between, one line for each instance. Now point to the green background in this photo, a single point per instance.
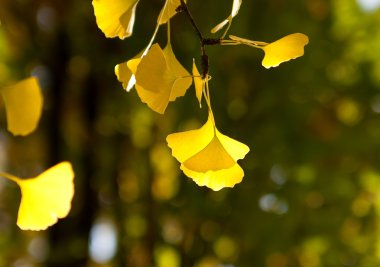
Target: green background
pixel 311 192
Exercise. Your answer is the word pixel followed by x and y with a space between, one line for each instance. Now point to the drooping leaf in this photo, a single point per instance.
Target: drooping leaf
pixel 284 49
pixel 23 104
pixel 208 157
pixel 235 10
pixel 160 78
pixel 168 11
pixel 115 18
pixel 198 83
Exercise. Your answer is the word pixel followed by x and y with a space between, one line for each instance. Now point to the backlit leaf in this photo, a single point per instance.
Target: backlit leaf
pixel 160 78
pixel 168 11
pixel 235 10
pixel 125 75
pixel 207 156
pixel 125 72
pixel 23 104
pixel 284 49
pixel 115 17
pixel 45 198
pixel 216 180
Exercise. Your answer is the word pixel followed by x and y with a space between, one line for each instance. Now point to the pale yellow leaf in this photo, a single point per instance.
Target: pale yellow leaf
pixel 235 10
pixel 160 78
pixel 284 49
pixel 23 104
pixel 236 7
pixel 220 26
pixel 46 198
pixel 115 18
pixel 198 83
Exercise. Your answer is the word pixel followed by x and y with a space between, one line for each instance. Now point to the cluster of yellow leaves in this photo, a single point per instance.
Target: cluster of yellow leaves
pixel 46 197
pixel 207 156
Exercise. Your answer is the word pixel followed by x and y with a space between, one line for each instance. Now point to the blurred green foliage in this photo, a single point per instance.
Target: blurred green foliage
pixel 311 192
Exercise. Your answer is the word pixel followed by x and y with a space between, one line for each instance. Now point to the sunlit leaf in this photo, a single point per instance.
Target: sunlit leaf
pixel 208 157
pixel 115 18
pixel 235 10
pixel 46 197
pixel 125 75
pixel 125 72
pixel 160 78
pixel 284 49
pixel 216 180
pixel 198 83
pixel 23 104
pixel 168 11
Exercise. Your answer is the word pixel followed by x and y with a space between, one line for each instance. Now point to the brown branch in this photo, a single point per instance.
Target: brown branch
pixel 204 41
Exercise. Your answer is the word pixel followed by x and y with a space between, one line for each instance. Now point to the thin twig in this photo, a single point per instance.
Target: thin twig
pixel 204 41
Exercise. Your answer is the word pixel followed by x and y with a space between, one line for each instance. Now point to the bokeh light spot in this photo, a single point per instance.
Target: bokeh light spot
pixel 103 240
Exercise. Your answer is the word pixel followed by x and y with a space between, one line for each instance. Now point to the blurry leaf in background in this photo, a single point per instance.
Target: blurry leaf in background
pixel 209 157
pixel 23 104
pixel 45 198
pixel 166 256
pixel 115 18
pixel 160 78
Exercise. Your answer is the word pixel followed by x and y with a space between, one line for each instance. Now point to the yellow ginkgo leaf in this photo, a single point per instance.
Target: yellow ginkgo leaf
pixel 209 157
pixel 216 180
pixel 198 83
pixel 125 75
pixel 125 72
pixel 160 78
pixel 23 104
pixel 45 198
pixel 115 18
pixel 168 11
pixel 235 10
pixel 284 49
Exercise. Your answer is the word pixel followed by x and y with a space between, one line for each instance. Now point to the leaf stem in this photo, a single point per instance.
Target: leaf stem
pixel 183 8
pixel 204 41
pixel 9 177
